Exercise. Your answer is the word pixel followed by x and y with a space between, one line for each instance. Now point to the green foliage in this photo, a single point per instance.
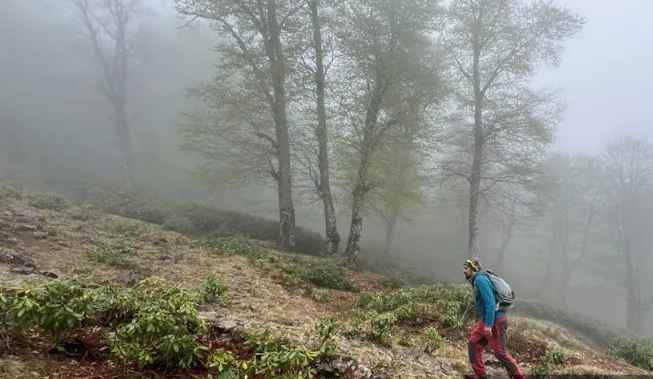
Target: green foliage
pixel 179 224
pixel 393 281
pixel 126 228
pixel 224 363
pixel 549 361
pixel 638 352
pixel 276 358
pixel 164 330
pixel 57 307
pixel 47 201
pixel 115 253
pixel 8 192
pixel 204 219
pixel 321 296
pixel 158 326
pixel 232 245
pixel 328 274
pixel 84 213
pixel 432 340
pixel 216 291
pixel 379 314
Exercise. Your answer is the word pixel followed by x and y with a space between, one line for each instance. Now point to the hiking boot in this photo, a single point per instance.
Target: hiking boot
pixel 474 376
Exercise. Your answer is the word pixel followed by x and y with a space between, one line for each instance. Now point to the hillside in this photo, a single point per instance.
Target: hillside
pixel 73 275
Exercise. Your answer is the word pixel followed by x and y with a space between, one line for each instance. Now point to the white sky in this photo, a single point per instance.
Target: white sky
pixel 606 74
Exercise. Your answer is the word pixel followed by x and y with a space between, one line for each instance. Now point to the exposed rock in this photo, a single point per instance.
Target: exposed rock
pixel 17 260
pixel 226 326
pixel 54 274
pixel 159 241
pixel 23 270
pixel 26 227
pixel 347 365
pixel 29 217
pixel 39 235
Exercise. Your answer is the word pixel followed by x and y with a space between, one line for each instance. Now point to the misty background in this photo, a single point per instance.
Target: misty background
pixel 55 123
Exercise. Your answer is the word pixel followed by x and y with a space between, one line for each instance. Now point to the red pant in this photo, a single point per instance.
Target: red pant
pixel 497 341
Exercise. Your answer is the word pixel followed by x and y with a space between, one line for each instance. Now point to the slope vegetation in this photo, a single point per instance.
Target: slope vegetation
pixel 87 294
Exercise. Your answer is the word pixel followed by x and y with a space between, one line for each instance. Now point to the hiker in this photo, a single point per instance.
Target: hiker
pixel 491 327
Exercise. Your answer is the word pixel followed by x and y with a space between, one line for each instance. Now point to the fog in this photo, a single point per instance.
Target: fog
pixel 55 122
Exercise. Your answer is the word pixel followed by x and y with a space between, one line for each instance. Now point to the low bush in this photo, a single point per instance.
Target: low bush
pixel 164 330
pixel 179 224
pixel 57 308
pixel 203 219
pixel 432 340
pixel 328 274
pixel 84 213
pixel 47 201
pixel 378 315
pixel 114 253
pixel 548 362
pixel 9 192
pixel 216 291
pixel 158 326
pixel 637 352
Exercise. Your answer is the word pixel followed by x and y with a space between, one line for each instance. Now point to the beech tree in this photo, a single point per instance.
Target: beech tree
pixel 110 27
pixel 388 65
pixel 312 141
pixel 495 47
pixel 574 223
pixel 251 122
pixel 629 191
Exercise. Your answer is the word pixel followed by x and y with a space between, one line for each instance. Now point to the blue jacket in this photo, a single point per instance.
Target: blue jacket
pixel 485 299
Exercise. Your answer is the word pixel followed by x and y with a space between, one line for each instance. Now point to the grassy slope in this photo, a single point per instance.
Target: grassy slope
pixel 262 295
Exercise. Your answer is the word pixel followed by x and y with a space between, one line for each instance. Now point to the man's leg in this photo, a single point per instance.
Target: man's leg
pixel 477 342
pixel 498 342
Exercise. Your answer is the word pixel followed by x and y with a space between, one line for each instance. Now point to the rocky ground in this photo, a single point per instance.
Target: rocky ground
pixel 44 244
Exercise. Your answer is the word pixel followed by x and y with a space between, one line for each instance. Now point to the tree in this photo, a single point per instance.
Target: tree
pixel 398 174
pixel 629 192
pixel 109 26
pixel 495 47
pixel 512 210
pixel 255 58
pixel 574 218
pixel 388 67
pixel 315 161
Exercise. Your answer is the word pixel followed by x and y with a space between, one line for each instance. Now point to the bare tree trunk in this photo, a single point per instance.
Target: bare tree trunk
pixel 553 245
pixel 390 231
pixel 114 65
pixel 124 140
pixel 570 265
pixel 358 201
pixel 287 211
pixel 362 186
pixel 473 248
pixel 635 309
pixel 506 237
pixel 332 237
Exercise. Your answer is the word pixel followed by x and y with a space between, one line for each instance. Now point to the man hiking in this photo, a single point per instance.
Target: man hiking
pixel 491 327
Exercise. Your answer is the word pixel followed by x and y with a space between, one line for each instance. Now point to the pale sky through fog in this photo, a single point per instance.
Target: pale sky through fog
pixel 606 74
